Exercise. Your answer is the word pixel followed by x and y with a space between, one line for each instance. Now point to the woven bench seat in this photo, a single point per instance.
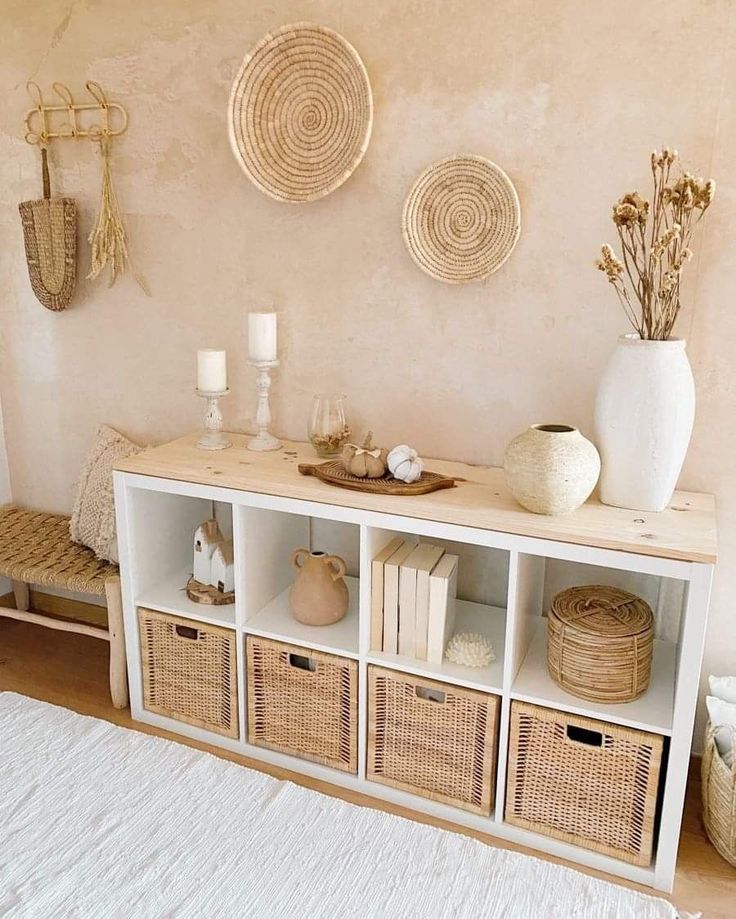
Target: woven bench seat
pixel 35 548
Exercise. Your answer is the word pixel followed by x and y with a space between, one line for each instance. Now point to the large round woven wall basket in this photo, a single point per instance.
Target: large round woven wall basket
pixel 300 112
pixel 599 643
pixel 462 219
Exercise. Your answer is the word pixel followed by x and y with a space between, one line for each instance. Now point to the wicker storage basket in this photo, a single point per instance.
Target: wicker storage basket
pixel 599 643
pixel 303 702
pixel 189 671
pixel 719 799
pixel 432 739
pixel 587 782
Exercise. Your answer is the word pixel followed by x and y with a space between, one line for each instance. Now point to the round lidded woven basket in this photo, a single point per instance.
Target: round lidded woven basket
pixel 301 112
pixel 599 643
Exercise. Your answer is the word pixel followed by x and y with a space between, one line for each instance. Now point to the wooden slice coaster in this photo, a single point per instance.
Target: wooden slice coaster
pixel 207 594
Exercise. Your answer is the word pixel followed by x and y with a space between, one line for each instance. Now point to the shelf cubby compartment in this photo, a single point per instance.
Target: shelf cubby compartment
pixel 266 541
pixel 483 576
pixel 163 527
pixel 541 579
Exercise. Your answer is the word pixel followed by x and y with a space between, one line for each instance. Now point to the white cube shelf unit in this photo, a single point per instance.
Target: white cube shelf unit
pixel 511 563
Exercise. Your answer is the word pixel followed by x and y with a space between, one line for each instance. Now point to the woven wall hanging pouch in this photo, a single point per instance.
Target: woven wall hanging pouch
pixel 50 236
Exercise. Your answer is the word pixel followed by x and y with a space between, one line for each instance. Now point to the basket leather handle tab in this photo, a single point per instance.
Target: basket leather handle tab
pixel 584 736
pixel 302 663
pixel 186 631
pixel 45 173
pixel 430 695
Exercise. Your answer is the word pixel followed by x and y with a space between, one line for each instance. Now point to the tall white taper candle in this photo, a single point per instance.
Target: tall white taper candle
pixel 211 370
pixel 262 337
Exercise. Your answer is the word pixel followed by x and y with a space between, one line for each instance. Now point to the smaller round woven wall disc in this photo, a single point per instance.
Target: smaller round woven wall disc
pixel 300 113
pixel 461 219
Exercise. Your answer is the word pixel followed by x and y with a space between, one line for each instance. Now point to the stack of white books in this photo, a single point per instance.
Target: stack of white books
pixel 413 594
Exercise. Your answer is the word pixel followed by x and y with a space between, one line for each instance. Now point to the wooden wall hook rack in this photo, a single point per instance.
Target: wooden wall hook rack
pixel 40 122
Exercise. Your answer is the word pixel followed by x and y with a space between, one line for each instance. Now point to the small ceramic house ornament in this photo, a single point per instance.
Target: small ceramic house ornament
pixel 222 574
pixel 207 537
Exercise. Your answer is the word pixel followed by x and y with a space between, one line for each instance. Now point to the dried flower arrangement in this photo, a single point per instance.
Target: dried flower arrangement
pixel 655 245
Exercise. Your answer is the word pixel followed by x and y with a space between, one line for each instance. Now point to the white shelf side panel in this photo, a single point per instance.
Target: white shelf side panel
pixel 276 621
pixel 489 621
pixel 650 712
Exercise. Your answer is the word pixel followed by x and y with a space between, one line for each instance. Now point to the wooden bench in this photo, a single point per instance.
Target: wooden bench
pixel 35 548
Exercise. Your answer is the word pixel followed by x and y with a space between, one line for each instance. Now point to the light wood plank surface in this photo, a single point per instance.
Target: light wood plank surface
pixel 686 530
pixel 71 670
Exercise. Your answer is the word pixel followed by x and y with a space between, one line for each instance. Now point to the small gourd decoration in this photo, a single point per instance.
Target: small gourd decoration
pixel 405 464
pixel 366 462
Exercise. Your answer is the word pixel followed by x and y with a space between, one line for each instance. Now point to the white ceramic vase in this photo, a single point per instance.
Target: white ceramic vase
pixel 643 420
pixel 551 468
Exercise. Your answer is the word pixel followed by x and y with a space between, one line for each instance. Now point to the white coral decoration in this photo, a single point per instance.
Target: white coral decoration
pixel 470 649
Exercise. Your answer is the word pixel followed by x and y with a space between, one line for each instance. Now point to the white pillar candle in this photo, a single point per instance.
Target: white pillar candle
pixel 262 338
pixel 211 370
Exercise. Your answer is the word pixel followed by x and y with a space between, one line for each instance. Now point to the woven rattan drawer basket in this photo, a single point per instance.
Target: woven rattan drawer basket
pixel 719 799
pixel 599 643
pixel 303 702
pixel 189 671
pixel 432 739
pixel 587 782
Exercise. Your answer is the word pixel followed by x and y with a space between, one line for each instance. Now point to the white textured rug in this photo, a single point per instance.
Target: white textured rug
pixel 99 821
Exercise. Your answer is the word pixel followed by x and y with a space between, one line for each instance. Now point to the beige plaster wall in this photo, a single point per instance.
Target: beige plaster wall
pixel 568 96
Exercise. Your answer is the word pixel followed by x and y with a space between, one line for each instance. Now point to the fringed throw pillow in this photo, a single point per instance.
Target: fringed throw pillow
pixel 93 518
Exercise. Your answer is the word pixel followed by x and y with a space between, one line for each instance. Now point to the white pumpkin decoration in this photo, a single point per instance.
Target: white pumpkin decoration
pixel 405 463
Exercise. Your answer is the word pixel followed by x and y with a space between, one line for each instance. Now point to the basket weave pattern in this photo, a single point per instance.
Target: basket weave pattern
pixel 189 671
pixel 50 236
pixel 719 799
pixel 35 548
pixel 599 643
pixel 301 112
pixel 432 739
pixel 461 219
pixel 303 702
pixel 586 782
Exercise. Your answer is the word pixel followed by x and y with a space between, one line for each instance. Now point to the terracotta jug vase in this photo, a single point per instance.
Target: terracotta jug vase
pixel 319 594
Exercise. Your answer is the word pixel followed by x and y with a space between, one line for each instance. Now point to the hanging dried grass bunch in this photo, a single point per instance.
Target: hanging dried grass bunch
pixel 108 237
pixel 655 245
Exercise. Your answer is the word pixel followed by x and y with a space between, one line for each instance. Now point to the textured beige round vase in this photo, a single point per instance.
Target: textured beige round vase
pixel 551 468
pixel 319 594
pixel 462 219
pixel 300 113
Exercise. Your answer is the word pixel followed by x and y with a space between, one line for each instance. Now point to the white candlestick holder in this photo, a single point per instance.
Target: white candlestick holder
pixel 213 438
pixel 263 440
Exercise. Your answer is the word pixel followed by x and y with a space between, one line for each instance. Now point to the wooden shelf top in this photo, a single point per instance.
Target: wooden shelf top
pixel 686 530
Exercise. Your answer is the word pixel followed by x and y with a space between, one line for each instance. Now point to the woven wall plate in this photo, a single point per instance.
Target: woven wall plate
pixel 461 219
pixel 300 113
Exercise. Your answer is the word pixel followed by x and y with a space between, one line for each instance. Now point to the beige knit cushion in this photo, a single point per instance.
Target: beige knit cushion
pixel 93 517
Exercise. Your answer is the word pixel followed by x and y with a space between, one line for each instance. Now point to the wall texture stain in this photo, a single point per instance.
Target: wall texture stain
pixel 568 97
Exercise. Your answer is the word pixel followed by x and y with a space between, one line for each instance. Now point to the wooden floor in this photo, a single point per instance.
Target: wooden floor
pixel 71 670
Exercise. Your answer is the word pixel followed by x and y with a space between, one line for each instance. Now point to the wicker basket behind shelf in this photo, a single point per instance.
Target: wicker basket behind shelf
pixel 719 798
pixel 586 782
pixel 599 643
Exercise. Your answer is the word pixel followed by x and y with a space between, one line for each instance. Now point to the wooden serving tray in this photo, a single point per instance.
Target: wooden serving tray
pixel 333 473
